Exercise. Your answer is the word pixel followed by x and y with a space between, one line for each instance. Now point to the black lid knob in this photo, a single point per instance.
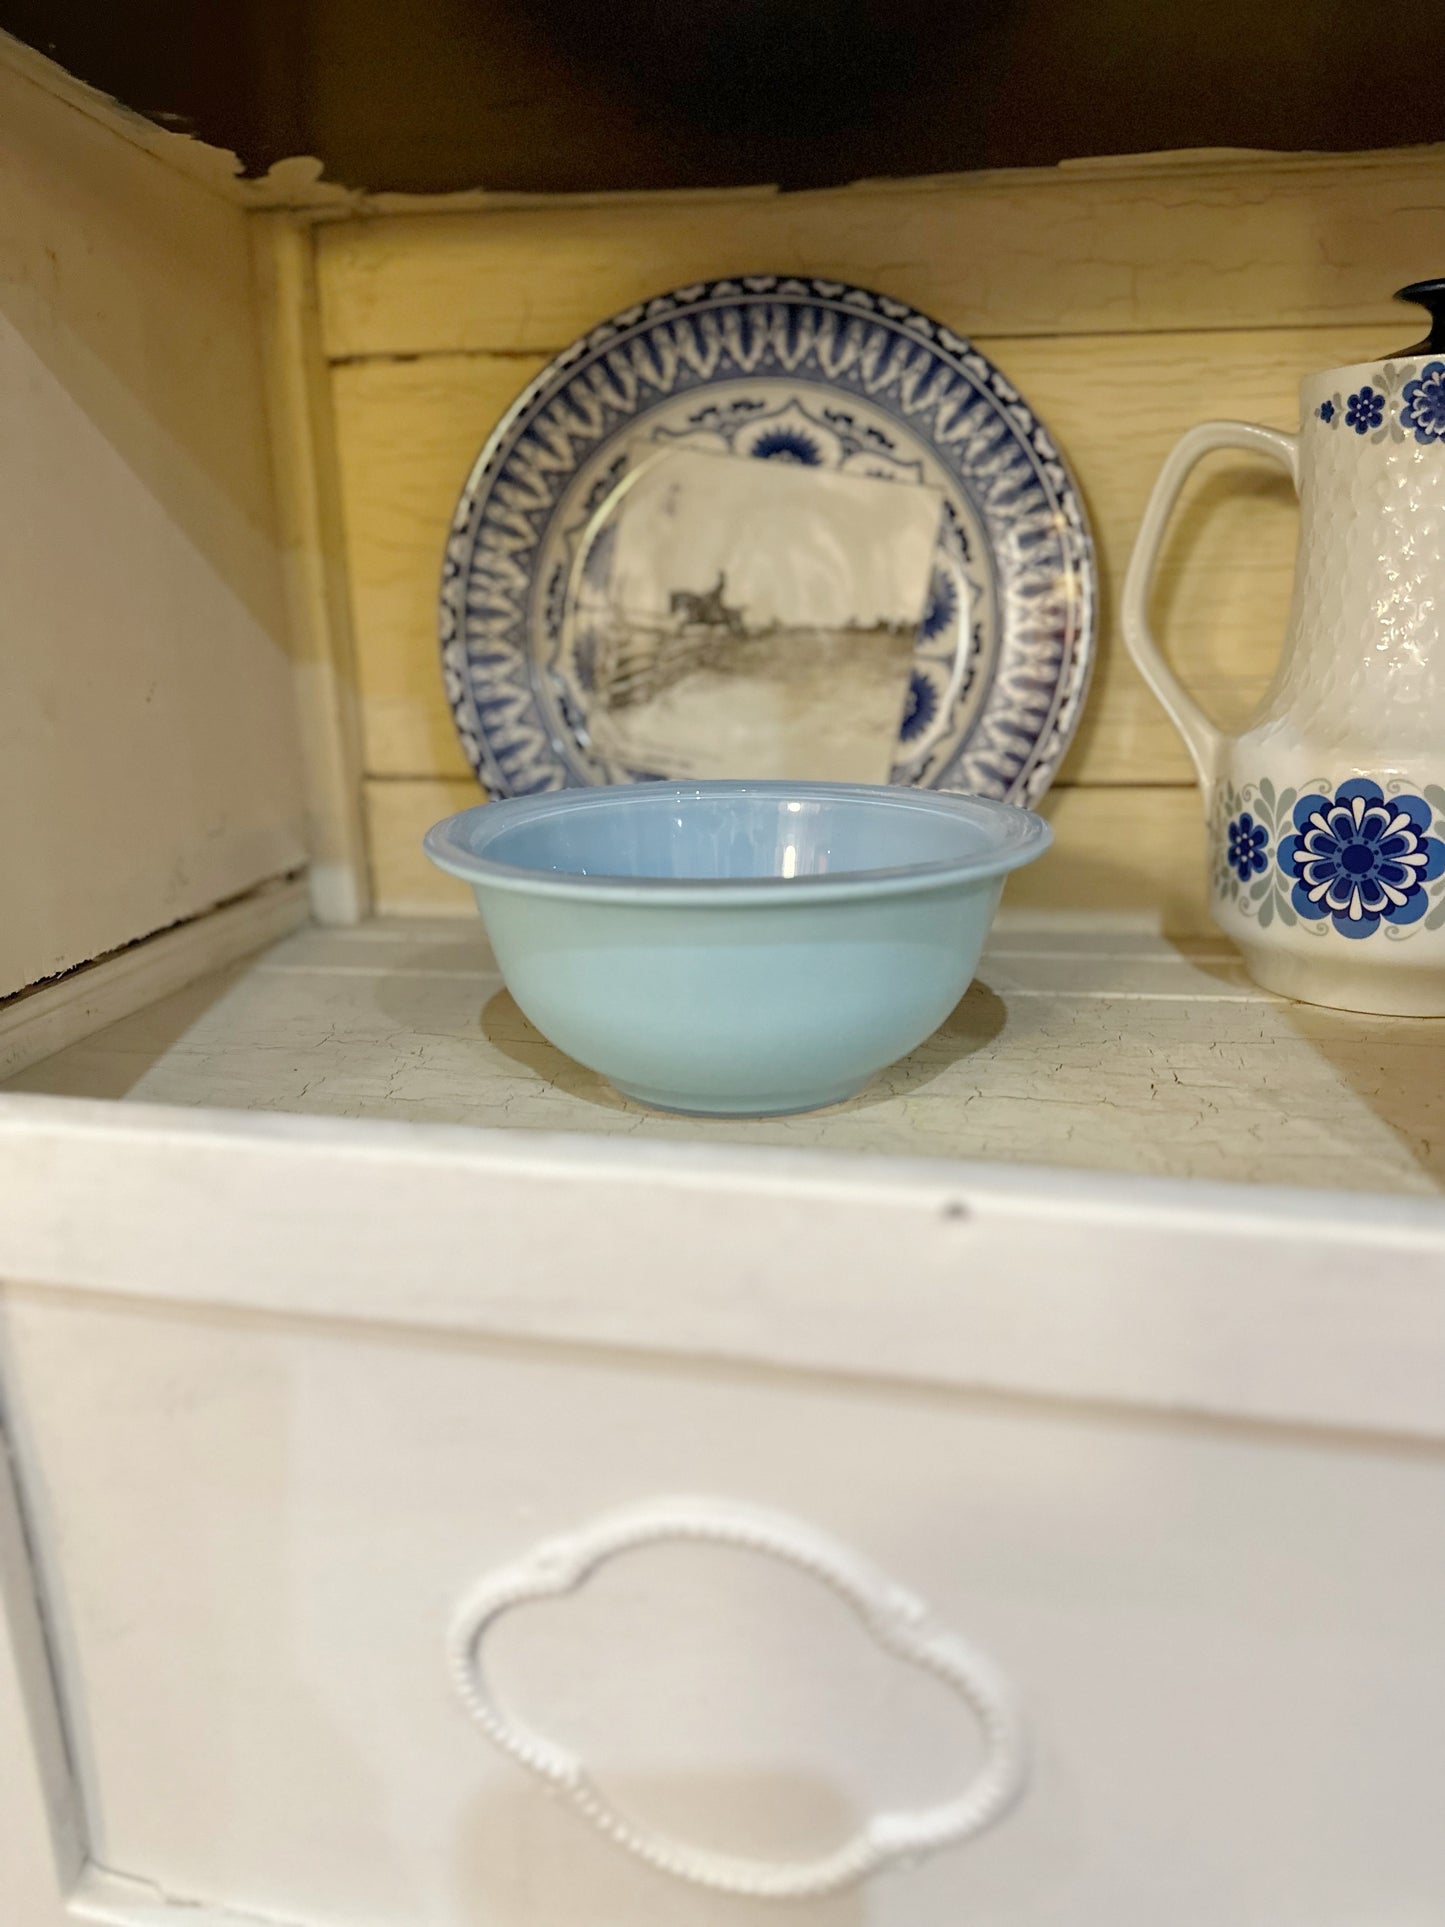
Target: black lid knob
pixel 1431 295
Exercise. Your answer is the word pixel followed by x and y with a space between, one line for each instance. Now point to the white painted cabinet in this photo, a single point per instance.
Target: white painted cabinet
pixel 280 1394
pixel 1015 1498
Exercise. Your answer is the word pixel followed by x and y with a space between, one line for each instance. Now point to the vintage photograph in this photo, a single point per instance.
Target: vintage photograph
pixel 754 618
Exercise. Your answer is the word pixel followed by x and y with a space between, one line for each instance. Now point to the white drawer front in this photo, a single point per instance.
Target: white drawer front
pixel 254 1535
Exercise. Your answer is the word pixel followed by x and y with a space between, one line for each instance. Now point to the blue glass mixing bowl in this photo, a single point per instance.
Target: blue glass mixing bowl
pixel 744 948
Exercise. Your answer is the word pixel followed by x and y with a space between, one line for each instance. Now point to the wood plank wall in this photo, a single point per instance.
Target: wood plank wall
pixel 1128 300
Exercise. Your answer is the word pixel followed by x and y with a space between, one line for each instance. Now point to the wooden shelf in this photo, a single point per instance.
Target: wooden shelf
pixel 1088 1043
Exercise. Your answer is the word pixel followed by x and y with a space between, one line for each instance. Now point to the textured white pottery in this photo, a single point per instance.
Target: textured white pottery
pixel 1327 813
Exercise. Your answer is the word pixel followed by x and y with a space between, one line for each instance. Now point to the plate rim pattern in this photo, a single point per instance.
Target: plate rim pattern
pixel 498 738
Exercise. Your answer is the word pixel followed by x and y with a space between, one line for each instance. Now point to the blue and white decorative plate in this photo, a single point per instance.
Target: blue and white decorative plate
pixel 781 369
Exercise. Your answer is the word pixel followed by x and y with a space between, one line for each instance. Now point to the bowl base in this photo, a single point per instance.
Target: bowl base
pixel 791 1104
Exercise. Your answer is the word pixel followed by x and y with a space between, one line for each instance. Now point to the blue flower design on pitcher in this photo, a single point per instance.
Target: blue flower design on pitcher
pixel 1361 858
pixel 1422 405
pixel 1248 841
pixel 1366 410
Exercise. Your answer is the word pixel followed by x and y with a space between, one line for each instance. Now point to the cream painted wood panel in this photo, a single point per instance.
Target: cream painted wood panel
pixel 51 1016
pixel 1129 300
pixel 148 754
pixel 303 444
pixel 1256 1303
pixel 409 431
pixel 44 1846
pixel 407 434
pixel 1086 1042
pixel 1182 242
pixel 1118 848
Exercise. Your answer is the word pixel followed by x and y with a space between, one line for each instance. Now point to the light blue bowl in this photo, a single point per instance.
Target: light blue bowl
pixel 743 948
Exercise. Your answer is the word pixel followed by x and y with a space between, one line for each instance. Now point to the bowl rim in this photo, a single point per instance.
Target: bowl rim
pixel 458 845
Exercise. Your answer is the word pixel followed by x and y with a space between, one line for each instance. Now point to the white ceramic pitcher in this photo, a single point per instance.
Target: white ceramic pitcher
pixel 1327 813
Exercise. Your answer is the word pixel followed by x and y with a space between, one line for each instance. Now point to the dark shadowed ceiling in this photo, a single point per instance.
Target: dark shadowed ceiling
pixel 432 95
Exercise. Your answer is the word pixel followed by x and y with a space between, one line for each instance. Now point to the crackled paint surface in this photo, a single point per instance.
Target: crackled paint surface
pixel 1093 1045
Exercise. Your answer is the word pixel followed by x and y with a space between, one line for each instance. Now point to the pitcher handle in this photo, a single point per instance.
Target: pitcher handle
pixel 1203 741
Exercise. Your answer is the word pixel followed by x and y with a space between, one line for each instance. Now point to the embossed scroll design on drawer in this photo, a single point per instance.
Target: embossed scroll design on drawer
pixel 893 1617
